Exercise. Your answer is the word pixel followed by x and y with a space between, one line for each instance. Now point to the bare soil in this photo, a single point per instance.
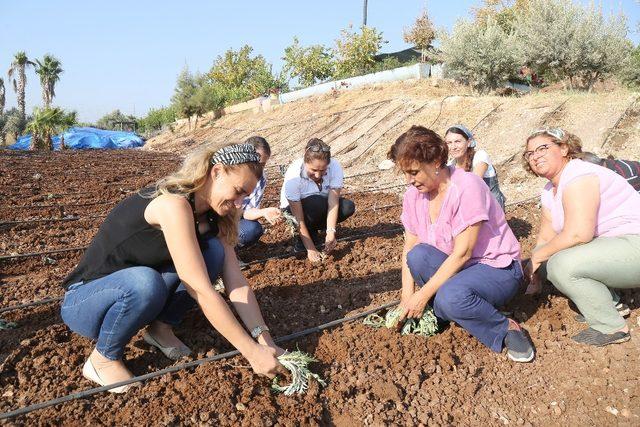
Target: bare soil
pixel 374 377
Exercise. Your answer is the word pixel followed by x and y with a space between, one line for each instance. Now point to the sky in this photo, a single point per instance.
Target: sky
pixel 127 54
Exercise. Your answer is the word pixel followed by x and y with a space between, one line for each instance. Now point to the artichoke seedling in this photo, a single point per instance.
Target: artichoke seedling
pixel 291 222
pixel 297 362
pixel 426 326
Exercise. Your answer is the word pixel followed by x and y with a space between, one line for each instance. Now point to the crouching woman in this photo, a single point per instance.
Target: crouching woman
pixel 589 239
pixel 459 249
pixel 156 253
pixel 311 192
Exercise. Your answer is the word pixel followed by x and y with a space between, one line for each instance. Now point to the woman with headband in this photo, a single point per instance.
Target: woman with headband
pixel 311 192
pixel 159 251
pixel 589 239
pixel 462 150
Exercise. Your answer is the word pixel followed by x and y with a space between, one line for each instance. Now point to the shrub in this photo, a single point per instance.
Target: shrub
pixel 630 73
pixel 108 121
pixel 481 56
pixel 156 118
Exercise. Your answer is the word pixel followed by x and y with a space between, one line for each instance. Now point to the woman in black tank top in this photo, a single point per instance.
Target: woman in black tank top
pixel 160 251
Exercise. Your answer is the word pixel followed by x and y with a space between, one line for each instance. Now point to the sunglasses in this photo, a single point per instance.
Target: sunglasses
pixel 319 149
pixel 557 133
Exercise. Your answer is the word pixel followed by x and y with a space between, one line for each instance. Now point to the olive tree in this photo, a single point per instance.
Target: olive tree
pixel 310 64
pixel 570 42
pixel 482 56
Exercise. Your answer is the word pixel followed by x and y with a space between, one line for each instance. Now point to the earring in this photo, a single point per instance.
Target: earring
pixel 437 172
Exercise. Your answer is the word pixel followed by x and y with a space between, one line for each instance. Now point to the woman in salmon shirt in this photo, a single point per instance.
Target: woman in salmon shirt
pixel 589 239
pixel 459 249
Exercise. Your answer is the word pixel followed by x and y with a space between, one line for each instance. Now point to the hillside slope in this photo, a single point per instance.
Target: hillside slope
pixel 361 124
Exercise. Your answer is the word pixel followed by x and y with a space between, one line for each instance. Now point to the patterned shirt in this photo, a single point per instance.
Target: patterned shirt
pixel 254 199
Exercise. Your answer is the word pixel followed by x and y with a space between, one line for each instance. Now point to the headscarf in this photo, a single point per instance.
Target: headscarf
pixel 467 133
pixel 235 154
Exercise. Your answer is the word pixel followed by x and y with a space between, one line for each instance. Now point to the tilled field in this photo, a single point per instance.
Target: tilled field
pixel 374 377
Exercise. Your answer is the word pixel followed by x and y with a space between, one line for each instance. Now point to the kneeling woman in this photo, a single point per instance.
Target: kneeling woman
pixel 458 248
pixel 311 191
pixel 158 251
pixel 463 153
pixel 589 234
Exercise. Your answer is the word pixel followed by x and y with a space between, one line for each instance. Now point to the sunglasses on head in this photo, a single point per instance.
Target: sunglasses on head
pixel 319 148
pixel 557 133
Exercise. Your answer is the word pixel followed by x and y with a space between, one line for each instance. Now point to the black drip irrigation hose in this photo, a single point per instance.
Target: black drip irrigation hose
pixel 257 261
pixel 35 220
pixel 33 254
pixel 195 363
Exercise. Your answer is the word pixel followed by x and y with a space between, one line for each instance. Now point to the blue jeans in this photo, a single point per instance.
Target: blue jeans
pixel 249 232
pixel 112 309
pixel 471 296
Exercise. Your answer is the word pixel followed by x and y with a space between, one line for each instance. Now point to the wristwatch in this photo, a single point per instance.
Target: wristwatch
pixel 258 330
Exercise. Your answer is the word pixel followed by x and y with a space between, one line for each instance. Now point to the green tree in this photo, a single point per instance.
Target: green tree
pixel 19 65
pixel 49 71
pixel 309 64
pixel 156 118
pixel 576 44
pixel 241 72
pixel 503 12
pixel 630 74
pixel 109 120
pixel 421 34
pixel 12 123
pixel 45 123
pixel 481 56
pixel 356 51
pixel 186 87
pixel 2 96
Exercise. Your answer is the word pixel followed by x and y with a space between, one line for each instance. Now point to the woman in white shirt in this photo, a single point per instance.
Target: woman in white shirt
pixel 311 192
pixel 463 153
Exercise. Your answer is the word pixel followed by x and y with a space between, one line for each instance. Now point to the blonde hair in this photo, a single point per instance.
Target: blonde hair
pixel 570 140
pixel 193 174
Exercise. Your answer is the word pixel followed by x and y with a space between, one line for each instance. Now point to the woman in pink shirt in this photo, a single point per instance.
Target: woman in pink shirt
pixel 458 247
pixel 589 234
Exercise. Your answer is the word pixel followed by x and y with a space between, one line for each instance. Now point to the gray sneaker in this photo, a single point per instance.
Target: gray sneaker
pixel 519 348
pixel 623 310
pixel 599 339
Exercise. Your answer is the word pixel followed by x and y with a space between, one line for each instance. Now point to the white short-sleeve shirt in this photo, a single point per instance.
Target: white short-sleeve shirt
pixel 480 156
pixel 297 185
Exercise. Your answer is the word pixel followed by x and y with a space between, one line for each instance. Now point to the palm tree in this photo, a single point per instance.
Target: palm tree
pixel 45 123
pixel 19 65
pixel 2 96
pixel 49 71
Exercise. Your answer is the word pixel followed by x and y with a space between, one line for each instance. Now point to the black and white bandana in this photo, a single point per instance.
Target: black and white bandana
pixel 235 154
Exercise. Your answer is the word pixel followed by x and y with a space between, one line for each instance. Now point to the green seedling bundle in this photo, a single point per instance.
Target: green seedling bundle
pixel 426 326
pixel 296 362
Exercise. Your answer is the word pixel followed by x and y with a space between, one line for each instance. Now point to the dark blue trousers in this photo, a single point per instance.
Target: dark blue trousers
pixel 249 232
pixel 471 296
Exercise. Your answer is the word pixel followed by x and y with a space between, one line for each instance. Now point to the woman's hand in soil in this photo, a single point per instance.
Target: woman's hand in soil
pixel 531 275
pixel 264 361
pixel 415 305
pixel 314 256
pixel 330 242
pixel 266 339
pixel 272 215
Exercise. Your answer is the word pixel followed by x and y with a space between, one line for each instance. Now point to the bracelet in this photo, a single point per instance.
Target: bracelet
pixel 258 330
pixel 331 229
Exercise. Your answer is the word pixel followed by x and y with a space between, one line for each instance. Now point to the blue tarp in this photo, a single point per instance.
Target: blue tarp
pixel 82 138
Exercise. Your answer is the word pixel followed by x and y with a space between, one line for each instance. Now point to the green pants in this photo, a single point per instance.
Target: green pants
pixel 587 273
